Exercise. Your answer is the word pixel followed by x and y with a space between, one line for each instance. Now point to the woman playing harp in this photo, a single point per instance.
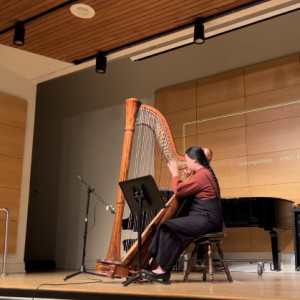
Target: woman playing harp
pixel 204 214
pixel 144 120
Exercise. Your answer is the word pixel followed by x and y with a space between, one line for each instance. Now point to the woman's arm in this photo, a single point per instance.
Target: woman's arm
pixel 190 187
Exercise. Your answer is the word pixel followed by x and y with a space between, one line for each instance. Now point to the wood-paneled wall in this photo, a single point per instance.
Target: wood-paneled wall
pixel 13 113
pixel 250 118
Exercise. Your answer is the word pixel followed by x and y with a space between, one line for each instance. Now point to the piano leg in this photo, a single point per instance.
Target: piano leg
pixel 276 253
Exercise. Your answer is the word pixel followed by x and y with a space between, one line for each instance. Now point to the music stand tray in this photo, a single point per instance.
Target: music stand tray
pixel 141 195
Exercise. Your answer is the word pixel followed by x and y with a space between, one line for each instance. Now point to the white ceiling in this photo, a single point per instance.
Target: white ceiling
pixel 34 67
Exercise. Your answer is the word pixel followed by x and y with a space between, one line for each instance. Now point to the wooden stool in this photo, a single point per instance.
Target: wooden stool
pixel 207 240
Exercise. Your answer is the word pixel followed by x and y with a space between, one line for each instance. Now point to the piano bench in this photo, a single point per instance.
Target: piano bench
pixel 206 241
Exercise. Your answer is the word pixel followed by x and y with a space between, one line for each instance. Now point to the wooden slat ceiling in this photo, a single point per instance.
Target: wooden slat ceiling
pixel 117 23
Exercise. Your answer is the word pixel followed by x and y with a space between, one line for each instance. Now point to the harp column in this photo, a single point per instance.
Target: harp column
pixel 113 258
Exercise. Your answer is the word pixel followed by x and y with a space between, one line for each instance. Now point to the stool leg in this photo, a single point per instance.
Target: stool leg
pixel 210 265
pixel 190 264
pixel 224 264
pixel 205 262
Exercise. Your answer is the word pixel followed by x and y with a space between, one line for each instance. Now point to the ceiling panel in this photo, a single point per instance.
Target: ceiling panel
pixel 117 23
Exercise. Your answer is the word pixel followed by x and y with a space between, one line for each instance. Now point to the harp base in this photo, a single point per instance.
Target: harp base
pixel 111 268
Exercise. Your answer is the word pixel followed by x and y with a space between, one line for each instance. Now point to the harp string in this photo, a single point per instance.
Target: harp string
pixel 142 165
pixel 149 159
pixel 149 118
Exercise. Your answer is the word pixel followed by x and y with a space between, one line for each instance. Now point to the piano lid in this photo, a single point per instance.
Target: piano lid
pixel 265 212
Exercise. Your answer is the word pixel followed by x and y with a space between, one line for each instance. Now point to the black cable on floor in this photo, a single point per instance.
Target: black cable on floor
pixel 60 284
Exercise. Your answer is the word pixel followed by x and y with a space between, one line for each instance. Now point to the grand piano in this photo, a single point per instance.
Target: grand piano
pixel 270 214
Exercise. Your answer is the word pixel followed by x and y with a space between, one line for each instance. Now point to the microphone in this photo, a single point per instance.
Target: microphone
pixel 110 207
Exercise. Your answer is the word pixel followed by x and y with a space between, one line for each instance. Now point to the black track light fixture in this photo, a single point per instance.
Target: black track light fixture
pixel 101 63
pixel 19 36
pixel 199 37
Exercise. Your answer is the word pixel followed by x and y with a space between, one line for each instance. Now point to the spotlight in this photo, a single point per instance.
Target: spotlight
pixel 199 37
pixel 19 34
pixel 101 63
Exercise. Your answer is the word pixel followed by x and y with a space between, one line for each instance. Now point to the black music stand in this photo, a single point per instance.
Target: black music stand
pixel 139 191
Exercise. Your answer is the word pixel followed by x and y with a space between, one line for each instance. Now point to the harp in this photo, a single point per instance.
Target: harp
pixel 151 120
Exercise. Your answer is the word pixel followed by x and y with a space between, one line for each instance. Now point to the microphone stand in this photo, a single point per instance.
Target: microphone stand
pixel 107 207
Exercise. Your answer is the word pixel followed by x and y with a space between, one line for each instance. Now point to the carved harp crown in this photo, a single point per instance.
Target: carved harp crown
pixel 150 119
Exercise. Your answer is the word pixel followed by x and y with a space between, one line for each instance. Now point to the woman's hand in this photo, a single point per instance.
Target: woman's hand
pixel 173 167
pixel 187 173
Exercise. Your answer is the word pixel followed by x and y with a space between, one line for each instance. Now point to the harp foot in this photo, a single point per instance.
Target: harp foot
pixel 111 269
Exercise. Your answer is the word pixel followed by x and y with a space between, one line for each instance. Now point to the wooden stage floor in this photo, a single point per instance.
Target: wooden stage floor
pixel 245 285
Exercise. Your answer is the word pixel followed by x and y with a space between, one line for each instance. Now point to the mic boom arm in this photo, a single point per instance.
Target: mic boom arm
pixel 107 206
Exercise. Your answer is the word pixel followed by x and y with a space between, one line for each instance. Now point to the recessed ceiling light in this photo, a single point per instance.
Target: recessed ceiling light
pixel 82 11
